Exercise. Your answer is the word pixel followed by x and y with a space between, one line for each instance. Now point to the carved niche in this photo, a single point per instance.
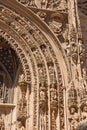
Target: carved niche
pixel 73 117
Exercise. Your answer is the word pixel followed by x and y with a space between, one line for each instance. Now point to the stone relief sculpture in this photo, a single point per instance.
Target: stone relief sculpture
pixel 22 103
pixel 73 107
pixel 20 125
pixel 43 107
pixel 56 25
pixel 42 67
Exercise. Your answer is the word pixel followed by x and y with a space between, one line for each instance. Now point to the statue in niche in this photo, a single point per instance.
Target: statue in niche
pixel 84 112
pixel 42 96
pixel 42 106
pixel 73 118
pixel 53 92
pixel 54 97
pixel 20 125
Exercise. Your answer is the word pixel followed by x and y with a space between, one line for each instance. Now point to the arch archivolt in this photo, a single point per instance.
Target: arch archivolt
pixel 42 60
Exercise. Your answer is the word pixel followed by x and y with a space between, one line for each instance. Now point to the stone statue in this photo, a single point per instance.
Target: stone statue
pixel 73 118
pixel 84 112
pixel 20 125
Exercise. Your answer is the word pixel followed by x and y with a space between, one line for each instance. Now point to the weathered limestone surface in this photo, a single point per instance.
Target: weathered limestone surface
pixel 43 80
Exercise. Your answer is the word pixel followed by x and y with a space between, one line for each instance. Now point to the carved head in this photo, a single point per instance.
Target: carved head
pixel 84 107
pixel 73 110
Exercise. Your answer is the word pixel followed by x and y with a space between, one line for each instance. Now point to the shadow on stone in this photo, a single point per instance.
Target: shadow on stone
pixel 82 125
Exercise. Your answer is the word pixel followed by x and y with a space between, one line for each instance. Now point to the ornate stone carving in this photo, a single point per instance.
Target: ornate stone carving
pixel 73 107
pixel 46 4
pixel 43 106
pixel 42 15
pixel 20 125
pixel 73 118
pixel 72 96
pixel 43 98
pixel 2 125
pixel 22 103
pixel 56 25
pixel 54 97
pixel 83 101
pixel 44 60
pixel 54 104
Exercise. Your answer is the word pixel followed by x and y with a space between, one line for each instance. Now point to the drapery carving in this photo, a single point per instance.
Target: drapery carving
pixel 43 106
pixel 54 104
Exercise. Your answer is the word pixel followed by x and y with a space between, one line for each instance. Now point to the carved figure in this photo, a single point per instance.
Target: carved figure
pixel 20 125
pixel 84 112
pixel 56 26
pixel 74 118
pixel 54 97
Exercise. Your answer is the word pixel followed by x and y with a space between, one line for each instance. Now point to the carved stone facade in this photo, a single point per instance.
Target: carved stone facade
pixel 43 80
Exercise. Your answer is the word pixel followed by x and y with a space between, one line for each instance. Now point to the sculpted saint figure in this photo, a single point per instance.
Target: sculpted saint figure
pixel 20 125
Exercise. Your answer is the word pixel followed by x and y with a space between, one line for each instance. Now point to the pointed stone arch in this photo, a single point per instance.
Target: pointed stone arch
pixel 39 51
